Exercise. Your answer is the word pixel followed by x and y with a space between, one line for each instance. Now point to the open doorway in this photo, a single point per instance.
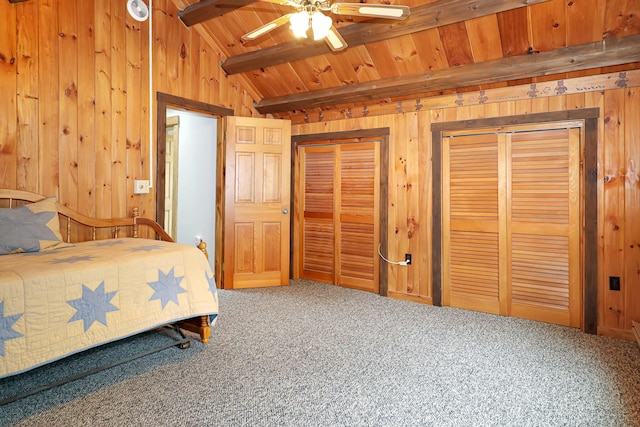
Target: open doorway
pixel 190 171
pixel 198 171
pixel 172 136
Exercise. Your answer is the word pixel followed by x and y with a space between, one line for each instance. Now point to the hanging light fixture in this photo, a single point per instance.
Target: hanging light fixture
pixel 300 24
pixel 321 24
pixel 310 17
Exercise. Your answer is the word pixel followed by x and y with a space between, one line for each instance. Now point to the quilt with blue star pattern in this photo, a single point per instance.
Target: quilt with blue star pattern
pixel 60 302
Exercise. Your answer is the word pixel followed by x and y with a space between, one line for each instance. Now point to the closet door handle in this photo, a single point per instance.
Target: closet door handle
pixel 285 211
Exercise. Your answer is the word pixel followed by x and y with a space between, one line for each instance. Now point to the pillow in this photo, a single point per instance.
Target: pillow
pixel 30 228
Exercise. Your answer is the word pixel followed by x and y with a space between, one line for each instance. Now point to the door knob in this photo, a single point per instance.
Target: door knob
pixel 285 211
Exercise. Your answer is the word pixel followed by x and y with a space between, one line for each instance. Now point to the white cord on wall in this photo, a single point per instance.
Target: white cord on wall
pixel 150 93
pixel 391 262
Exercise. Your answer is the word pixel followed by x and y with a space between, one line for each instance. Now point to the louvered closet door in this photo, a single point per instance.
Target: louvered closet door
pixel 359 216
pixel 340 214
pixel 471 222
pixel 544 226
pixel 511 223
pixel 317 166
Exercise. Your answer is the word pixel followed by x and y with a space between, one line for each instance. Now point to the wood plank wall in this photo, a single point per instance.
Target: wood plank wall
pixel 618 202
pixel 74 97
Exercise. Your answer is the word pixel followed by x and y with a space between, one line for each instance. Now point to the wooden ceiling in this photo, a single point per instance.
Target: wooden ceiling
pixel 445 46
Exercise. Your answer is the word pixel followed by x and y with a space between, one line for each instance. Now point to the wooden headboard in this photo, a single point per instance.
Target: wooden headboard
pixel 76 227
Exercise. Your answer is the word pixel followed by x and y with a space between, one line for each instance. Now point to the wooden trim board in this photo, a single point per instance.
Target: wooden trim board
pixel 548 89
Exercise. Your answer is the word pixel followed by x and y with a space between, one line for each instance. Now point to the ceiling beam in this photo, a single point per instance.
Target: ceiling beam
pixel 425 17
pixel 209 9
pixel 574 58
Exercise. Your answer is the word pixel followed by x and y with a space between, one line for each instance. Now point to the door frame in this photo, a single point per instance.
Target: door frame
pixel 166 100
pixel 589 174
pixel 333 138
pixel 174 201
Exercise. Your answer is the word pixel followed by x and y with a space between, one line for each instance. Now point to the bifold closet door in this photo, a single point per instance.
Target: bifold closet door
pixel 359 220
pixel 340 214
pixel 544 226
pixel 511 224
pixel 472 177
pixel 317 243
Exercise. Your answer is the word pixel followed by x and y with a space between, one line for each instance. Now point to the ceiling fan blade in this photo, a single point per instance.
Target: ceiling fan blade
pixel 388 11
pixel 252 35
pixel 335 40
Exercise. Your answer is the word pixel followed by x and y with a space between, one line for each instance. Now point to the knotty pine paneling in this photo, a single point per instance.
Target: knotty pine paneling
pixel 27 96
pixel 86 140
pixel 8 95
pixel 613 212
pixel 548 30
pixel 631 167
pixel 74 97
pixel 68 107
pixel 409 203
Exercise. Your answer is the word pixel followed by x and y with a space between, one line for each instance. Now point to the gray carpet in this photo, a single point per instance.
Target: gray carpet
pixel 312 354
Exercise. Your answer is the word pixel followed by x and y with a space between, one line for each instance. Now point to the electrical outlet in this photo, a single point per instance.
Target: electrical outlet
pixel 407 259
pixel 141 186
pixel 614 283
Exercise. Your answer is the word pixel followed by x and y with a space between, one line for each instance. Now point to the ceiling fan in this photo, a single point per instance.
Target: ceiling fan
pixel 310 15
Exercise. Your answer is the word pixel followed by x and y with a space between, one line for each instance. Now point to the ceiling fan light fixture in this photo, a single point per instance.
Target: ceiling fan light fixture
pixel 321 24
pixel 300 24
pixel 310 15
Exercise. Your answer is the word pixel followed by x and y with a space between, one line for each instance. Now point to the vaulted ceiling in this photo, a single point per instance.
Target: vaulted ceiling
pixel 445 46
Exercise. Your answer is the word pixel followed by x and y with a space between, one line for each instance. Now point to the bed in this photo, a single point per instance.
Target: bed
pixel 66 289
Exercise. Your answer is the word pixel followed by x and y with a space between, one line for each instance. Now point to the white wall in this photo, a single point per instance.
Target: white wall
pixel 196 178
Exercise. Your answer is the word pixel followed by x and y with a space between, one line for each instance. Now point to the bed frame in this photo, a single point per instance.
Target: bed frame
pixel 76 227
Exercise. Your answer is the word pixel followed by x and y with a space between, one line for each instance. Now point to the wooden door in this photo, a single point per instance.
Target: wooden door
pixel 511 223
pixel 544 226
pixel 257 202
pixel 339 223
pixel 472 177
pixel 358 205
pixel 171 176
pixel 317 205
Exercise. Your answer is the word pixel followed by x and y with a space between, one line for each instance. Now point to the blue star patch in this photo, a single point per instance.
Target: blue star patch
pixel 6 328
pixel 167 288
pixel 212 285
pixel 73 259
pixel 109 243
pixel 45 253
pixel 147 248
pixel 93 306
